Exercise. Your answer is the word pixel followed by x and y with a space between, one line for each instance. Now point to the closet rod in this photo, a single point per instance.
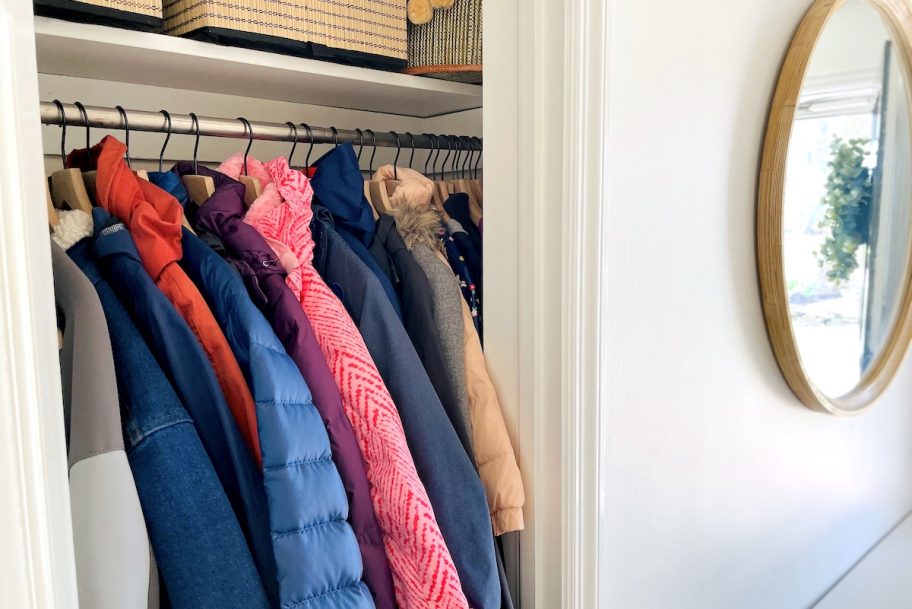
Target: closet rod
pixel 182 124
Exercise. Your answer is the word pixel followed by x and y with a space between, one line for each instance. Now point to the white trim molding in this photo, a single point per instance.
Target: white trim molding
pixel 545 156
pixel 36 561
pixel 584 300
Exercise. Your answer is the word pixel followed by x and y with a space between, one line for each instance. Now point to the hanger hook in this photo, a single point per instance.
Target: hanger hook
pixel 63 126
pixel 360 144
pixel 310 137
pixel 470 152
pixel 430 151
pixel 161 155
pixel 374 151
pixel 248 130
pixel 126 122
pixel 194 122
pixel 449 144
pixel 478 158
pixel 454 168
pixel 436 156
pixel 335 133
pixel 398 150
pixel 294 129
pixel 85 119
pixel 412 144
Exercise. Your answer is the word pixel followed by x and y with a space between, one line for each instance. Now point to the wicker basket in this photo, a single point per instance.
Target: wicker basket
pixel 133 14
pixel 369 33
pixel 448 47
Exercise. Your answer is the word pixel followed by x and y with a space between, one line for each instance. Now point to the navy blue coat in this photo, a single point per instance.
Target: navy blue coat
pixel 339 187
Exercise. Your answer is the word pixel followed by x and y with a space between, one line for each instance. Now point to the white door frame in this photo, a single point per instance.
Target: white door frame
pixel 545 96
pixel 545 134
pixel 37 569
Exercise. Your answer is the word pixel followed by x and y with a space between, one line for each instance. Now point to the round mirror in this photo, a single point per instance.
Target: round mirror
pixel 834 221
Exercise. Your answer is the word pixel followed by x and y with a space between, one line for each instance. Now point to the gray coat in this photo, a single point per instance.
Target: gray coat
pixel 114 564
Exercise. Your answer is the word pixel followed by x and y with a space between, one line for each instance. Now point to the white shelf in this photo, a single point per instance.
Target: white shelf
pixel 93 51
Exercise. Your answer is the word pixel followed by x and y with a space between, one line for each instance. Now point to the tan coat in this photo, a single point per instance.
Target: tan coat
pixel 494 455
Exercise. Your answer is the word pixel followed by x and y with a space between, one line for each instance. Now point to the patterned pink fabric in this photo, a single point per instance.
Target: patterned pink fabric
pixel 423 571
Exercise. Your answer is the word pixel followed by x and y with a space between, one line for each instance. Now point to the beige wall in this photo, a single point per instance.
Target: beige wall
pixel 722 491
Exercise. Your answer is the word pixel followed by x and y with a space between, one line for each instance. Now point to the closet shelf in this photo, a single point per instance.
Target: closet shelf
pixel 105 53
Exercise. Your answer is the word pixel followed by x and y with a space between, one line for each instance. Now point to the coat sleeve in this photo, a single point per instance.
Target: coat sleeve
pixel 494 455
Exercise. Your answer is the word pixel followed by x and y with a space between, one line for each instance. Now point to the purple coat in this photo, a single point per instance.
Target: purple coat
pixel 264 276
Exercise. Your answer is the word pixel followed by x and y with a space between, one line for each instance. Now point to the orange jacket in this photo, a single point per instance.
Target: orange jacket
pixel 154 219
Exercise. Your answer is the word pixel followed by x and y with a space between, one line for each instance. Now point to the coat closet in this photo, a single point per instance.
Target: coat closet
pixel 386 116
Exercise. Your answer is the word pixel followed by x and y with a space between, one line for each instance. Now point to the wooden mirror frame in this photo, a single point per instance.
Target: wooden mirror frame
pixel 898 21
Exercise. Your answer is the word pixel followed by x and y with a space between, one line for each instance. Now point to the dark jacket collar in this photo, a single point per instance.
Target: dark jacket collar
pixel 339 187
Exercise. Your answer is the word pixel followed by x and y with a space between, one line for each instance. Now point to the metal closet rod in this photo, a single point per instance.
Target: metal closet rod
pixel 181 124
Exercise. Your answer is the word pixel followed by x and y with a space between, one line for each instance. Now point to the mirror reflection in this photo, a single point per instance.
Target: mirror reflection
pixel 846 204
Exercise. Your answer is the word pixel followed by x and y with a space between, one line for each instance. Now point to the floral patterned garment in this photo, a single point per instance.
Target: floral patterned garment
pixel 423 570
pixel 466 284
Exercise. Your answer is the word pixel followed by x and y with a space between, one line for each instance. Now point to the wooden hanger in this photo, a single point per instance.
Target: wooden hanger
pixel 68 190
pixel 53 217
pixel 199 188
pixel 252 188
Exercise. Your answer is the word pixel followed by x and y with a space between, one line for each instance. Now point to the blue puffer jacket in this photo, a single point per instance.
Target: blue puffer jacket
pixel 317 556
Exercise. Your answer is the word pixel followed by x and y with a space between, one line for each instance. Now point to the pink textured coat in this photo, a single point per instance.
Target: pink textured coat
pixel 423 571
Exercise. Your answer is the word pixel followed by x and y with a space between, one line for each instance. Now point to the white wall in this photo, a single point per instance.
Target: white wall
pixel 721 490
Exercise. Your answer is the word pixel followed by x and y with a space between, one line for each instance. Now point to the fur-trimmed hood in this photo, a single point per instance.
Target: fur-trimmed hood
pixel 418 224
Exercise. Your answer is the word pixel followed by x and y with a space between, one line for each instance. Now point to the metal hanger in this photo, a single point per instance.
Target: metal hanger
pixel 335 133
pixel 412 144
pixel 68 188
pixel 430 151
pixel 142 173
pixel 85 120
pixel 398 150
pixel 474 183
pixel 294 129
pixel 161 155
pixel 360 145
pixel 376 190
pixel 374 151
pixel 90 176
pixel 436 157
pixel 470 152
pixel 126 122
pixel 310 136
pixel 199 187
pixel 252 188
pixel 366 183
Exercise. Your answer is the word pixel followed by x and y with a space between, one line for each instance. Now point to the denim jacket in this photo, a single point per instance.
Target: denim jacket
pixel 200 550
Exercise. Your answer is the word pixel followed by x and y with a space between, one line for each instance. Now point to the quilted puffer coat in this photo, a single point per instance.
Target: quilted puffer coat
pixel 317 557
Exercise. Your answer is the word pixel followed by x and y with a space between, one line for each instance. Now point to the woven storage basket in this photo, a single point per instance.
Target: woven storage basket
pixel 134 14
pixel 448 47
pixel 369 33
